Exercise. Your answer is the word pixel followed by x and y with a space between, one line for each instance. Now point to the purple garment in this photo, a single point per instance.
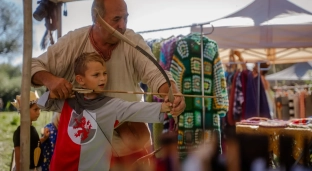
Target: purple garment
pixel 252 98
pixel 238 99
pixel 166 53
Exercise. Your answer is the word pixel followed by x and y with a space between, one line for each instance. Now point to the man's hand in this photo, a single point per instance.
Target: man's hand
pixel 178 105
pixel 59 88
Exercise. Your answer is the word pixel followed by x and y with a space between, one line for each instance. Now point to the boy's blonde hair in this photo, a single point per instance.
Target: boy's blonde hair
pixel 80 65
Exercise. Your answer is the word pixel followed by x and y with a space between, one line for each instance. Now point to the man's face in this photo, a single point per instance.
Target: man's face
pixel 95 77
pixel 116 15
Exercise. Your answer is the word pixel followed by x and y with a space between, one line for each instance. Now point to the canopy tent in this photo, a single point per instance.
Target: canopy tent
pixel 275 30
pixel 299 71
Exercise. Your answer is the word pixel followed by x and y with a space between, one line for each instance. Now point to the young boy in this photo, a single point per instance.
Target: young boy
pixel 34 136
pixel 87 121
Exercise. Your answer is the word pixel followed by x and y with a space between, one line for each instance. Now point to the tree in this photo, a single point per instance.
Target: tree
pixel 10 83
pixel 11 29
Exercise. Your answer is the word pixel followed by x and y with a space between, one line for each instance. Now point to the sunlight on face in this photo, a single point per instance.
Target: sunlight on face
pixel 95 77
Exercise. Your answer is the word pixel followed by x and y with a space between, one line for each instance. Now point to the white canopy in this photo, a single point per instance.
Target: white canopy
pixel 299 71
pixel 274 30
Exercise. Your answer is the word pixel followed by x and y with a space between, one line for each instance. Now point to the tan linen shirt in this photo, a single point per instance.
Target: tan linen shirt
pixel 126 68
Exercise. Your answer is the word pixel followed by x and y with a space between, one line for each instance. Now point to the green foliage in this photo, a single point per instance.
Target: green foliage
pixel 10 84
pixel 9 70
pixel 11 29
pixel 15 120
pixel 7 106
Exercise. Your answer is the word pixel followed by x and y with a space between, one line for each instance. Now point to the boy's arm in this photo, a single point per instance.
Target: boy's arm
pixel 138 111
pixel 17 158
pixel 47 104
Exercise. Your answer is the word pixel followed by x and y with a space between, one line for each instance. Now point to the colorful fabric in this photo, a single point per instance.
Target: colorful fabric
pixel 167 51
pixel 47 147
pixel 194 126
pixel 244 89
pixel 84 140
pixel 239 98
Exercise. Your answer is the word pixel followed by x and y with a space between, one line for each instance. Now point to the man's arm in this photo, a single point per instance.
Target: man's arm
pixel 54 68
pixel 59 87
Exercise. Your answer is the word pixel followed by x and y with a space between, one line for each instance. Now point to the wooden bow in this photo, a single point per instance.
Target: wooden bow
pixel 150 57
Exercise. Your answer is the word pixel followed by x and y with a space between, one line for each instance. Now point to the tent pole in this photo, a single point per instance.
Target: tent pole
pixel 274 71
pixel 59 20
pixel 259 79
pixel 25 87
pixel 202 76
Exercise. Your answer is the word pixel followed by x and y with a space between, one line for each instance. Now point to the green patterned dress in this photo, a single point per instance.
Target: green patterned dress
pixel 186 70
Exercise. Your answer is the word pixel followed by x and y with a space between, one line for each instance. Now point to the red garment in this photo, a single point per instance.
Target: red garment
pixel 75 149
pixel 230 117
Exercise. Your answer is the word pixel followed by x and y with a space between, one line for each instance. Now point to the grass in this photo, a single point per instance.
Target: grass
pixel 9 121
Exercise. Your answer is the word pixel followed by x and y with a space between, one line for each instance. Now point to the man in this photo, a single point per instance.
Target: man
pixel 125 65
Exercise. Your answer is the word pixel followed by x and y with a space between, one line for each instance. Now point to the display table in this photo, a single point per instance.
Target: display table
pixel 299 135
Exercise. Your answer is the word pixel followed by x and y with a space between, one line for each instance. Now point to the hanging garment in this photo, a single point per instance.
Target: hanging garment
pixel 239 98
pixel 251 99
pixel 291 105
pixel 195 126
pixel 230 113
pixel 166 54
pixel 285 108
pixel 308 105
pixel 256 101
pixel 302 104
pixel 244 89
pixel 296 106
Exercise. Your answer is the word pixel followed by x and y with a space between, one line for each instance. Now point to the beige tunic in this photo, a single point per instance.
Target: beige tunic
pixel 126 68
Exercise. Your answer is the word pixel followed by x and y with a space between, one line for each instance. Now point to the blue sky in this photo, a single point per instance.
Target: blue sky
pixel 149 14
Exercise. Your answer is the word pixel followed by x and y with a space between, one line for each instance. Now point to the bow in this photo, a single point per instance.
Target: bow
pixel 137 47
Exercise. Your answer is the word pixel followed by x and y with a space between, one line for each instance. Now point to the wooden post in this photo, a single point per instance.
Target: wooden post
pixel 25 88
pixel 59 19
pixel 271 56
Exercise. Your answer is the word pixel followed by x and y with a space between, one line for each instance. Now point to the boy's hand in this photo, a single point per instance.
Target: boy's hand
pixel 166 107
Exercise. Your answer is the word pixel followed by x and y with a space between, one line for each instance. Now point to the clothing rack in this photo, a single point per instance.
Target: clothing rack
pixel 292 87
pixel 179 27
pixel 202 54
pixel 259 78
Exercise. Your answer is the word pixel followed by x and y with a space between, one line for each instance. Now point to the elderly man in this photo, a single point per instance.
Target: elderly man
pixel 126 67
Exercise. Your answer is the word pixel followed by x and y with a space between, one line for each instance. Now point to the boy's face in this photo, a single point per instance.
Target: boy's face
pixel 34 112
pixel 95 77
